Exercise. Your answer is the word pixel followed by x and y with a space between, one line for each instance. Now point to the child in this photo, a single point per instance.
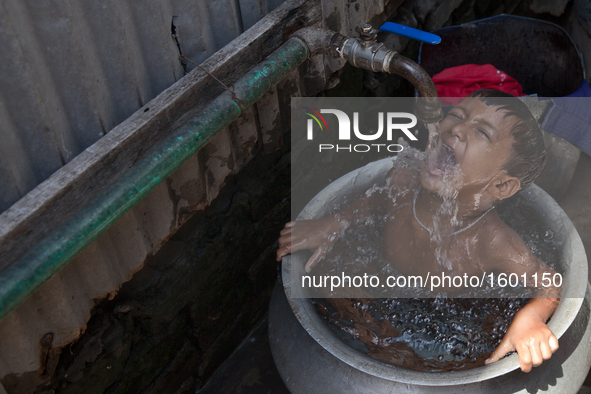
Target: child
pixel 492 148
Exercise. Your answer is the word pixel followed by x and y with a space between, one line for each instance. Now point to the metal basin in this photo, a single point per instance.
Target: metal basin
pixel 311 359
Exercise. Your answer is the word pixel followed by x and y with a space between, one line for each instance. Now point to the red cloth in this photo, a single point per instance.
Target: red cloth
pixel 458 82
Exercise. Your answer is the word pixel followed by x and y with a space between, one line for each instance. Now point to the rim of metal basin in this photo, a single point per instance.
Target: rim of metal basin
pixel 574 287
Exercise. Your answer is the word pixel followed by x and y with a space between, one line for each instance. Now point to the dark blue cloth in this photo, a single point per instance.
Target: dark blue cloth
pixel 570 118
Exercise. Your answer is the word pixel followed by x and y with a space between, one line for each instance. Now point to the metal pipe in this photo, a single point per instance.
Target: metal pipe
pixel 428 107
pixel 46 258
pixel 365 52
pixel 321 41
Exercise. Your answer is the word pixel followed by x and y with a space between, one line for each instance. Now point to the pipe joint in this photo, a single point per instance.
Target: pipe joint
pixel 320 41
pixel 367 54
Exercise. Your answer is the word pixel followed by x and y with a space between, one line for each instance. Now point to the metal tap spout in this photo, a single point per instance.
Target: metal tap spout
pixel 365 52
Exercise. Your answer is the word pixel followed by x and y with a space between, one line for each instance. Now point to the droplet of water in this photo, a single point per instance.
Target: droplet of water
pixel 548 235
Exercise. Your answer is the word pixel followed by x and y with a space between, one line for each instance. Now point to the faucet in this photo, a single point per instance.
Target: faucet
pixel 365 52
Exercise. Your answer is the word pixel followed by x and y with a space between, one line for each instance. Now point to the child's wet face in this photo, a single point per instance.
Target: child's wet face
pixel 480 138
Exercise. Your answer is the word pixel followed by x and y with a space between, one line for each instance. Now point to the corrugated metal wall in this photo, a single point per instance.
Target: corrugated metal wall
pixel 72 70
pixel 70 73
pixel 62 305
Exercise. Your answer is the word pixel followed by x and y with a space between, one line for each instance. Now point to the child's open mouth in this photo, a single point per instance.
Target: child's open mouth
pixel 440 160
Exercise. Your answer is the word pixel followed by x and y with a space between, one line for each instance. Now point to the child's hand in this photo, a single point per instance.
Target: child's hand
pixel 530 337
pixel 318 235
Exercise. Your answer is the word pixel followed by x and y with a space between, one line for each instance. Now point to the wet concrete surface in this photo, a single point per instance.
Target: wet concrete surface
pixel 251 370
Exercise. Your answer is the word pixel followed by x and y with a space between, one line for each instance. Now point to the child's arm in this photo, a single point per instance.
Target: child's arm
pixel 528 334
pixel 319 235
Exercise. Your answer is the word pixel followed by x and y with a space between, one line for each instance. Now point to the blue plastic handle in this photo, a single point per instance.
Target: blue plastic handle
pixel 409 32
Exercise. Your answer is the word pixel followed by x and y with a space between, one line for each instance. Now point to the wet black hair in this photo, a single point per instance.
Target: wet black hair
pixel 529 153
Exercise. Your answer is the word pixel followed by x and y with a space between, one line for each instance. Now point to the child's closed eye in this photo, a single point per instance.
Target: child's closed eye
pixel 483 132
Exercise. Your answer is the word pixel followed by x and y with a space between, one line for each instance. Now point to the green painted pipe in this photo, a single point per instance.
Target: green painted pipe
pixel 45 259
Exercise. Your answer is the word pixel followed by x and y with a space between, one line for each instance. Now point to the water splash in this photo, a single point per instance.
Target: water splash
pixel 424 334
pixel 439 158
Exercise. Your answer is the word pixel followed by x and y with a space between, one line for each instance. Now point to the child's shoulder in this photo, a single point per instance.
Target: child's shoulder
pixel 497 239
